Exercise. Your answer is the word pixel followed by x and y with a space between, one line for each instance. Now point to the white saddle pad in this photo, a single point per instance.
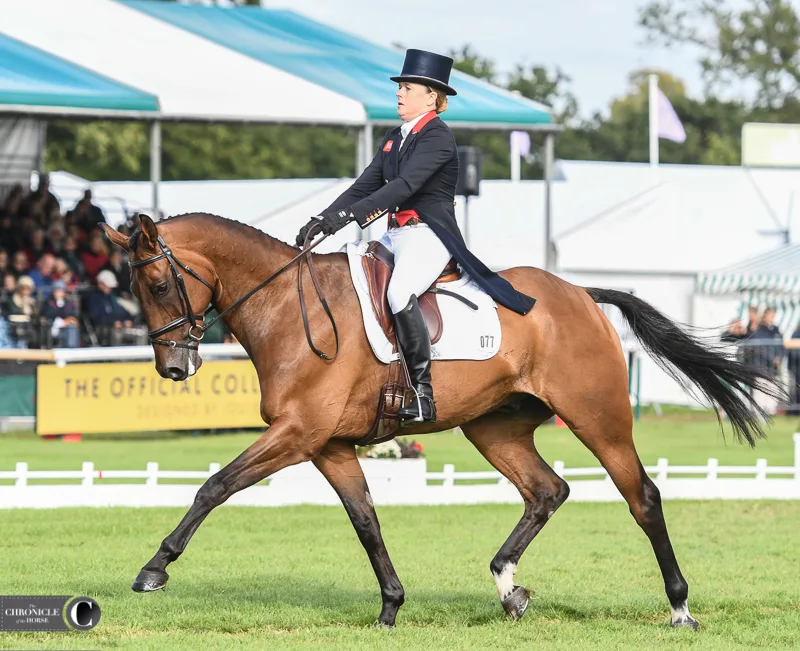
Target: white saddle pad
pixel 466 333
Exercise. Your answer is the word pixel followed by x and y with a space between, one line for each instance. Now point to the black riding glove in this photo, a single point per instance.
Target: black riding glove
pixel 301 236
pixel 336 221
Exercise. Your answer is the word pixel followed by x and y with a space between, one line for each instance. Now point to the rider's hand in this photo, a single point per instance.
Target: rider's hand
pixel 336 221
pixel 301 236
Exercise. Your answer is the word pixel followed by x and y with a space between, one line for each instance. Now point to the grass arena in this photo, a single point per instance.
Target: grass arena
pixel 295 577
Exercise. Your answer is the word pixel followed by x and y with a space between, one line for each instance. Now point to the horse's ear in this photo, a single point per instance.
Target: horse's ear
pixel 122 241
pixel 149 231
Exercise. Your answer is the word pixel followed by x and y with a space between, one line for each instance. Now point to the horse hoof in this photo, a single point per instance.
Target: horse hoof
pixel 383 625
pixel 685 622
pixel 516 603
pixel 150 581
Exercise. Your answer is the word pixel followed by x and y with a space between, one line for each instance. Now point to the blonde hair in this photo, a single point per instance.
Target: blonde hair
pixel 441 99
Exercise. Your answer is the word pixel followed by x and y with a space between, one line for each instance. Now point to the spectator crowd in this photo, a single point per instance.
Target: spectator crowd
pixel 61 284
pixel 761 343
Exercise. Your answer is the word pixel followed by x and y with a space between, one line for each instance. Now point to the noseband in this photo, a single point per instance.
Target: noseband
pixel 198 330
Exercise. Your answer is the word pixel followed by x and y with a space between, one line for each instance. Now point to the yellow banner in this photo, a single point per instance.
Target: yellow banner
pixel 92 398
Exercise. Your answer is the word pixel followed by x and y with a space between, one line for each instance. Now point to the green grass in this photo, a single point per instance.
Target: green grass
pixel 290 578
pixel 298 578
pixel 684 438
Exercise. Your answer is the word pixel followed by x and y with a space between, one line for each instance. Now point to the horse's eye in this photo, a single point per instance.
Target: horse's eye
pixel 160 290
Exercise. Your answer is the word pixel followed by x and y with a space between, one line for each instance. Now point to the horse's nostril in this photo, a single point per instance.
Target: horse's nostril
pixel 176 373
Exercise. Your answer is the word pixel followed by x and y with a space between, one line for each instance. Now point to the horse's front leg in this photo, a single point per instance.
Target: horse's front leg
pixel 339 464
pixel 284 444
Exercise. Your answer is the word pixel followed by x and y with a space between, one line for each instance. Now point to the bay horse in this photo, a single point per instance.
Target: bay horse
pixel 564 357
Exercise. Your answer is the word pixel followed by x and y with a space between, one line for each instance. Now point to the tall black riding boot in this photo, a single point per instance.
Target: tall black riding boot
pixel 414 341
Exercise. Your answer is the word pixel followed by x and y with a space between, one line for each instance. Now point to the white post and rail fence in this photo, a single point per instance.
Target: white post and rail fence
pixel 392 482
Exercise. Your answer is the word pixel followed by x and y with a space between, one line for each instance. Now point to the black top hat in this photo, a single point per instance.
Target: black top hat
pixel 427 68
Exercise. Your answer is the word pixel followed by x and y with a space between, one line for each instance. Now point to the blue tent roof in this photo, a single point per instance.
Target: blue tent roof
pixel 337 61
pixel 31 77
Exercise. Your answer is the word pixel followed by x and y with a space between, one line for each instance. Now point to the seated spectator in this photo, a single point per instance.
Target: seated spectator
pixel 96 257
pixel 22 311
pixel 9 283
pixel 19 264
pixel 3 261
pixel 87 215
pixel 118 265
pixel 75 232
pixel 62 272
pixel 56 235
pixel 5 336
pixel 71 256
pixel 42 204
pixel 42 276
pixel 104 311
pixel 37 248
pixel 8 289
pixel 62 317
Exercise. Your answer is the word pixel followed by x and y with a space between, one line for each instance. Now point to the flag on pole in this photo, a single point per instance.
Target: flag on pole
pixel 669 124
pixel 664 122
pixel 521 142
pixel 520 145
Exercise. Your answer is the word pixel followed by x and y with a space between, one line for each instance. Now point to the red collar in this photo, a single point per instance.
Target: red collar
pixel 425 119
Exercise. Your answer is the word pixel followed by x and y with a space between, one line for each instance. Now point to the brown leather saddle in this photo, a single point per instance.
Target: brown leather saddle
pixel 378 263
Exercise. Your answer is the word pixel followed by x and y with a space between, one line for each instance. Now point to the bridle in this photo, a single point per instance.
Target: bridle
pixel 198 330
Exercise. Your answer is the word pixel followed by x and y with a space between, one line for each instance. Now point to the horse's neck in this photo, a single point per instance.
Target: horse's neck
pixel 242 263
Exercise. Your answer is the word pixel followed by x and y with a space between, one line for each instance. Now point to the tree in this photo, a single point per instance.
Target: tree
pixel 120 151
pixel 713 127
pixel 535 83
pixel 758 44
pixel 470 62
pixel 538 84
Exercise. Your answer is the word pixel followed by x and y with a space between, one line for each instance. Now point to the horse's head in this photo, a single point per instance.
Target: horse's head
pixel 173 288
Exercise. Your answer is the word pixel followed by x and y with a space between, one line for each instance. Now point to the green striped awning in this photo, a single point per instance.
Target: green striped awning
pixel 770 279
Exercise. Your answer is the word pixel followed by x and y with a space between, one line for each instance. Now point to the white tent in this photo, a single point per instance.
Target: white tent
pixel 238 64
pixel 192 77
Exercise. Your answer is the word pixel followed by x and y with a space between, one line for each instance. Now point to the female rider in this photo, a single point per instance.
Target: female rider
pixel 413 178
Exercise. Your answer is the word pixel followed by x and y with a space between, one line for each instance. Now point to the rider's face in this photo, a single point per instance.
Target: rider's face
pixel 414 100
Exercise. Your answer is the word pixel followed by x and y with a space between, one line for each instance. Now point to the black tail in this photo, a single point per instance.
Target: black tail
pixel 725 382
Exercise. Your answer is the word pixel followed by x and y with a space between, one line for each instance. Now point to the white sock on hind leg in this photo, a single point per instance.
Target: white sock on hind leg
pixel 505 580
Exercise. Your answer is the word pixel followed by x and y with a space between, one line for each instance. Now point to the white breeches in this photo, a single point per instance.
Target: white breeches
pixel 419 258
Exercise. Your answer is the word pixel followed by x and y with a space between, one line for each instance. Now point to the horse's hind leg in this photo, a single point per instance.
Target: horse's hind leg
pixel 611 441
pixel 339 464
pixel 508 446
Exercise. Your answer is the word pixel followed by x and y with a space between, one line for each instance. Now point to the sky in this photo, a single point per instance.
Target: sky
pixel 596 42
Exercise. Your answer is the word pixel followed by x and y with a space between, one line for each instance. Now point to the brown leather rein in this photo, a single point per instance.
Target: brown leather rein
pixel 198 330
